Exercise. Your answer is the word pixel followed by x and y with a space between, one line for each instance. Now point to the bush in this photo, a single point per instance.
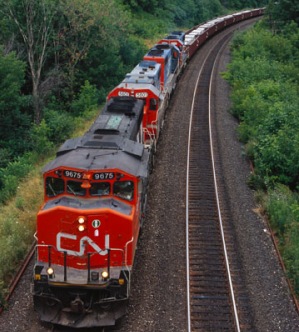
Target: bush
pixel 40 138
pixel 14 243
pixel 59 126
pixel 279 208
pixel 264 76
pixel 291 254
pixel 87 100
pixel 283 210
pixel 148 26
pixel 265 98
pixel 11 176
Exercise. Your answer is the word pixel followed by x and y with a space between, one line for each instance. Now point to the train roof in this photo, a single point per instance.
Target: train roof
pixel 146 72
pixel 166 46
pixel 110 143
pixel 138 78
pixel 110 152
pixel 157 51
pixel 146 68
pixel 120 116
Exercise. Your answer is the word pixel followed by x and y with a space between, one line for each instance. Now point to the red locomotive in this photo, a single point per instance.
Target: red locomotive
pixel 95 191
pixel 87 230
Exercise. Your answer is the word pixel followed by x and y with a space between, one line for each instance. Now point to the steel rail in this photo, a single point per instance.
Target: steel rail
pixel 18 275
pixel 232 294
pixel 187 195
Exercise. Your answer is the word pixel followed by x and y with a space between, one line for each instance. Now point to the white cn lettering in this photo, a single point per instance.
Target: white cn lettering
pixel 82 244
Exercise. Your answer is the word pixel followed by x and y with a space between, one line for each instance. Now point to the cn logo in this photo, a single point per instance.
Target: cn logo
pixel 83 240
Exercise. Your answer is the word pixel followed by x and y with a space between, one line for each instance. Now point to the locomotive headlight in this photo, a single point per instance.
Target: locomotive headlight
pixel 81 220
pixel 81 228
pixel 50 272
pixel 105 275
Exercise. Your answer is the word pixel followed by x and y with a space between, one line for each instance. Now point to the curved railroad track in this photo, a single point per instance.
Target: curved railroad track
pixel 158 295
pixel 211 294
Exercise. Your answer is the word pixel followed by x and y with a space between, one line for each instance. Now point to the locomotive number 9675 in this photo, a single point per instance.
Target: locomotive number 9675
pixel 103 176
pixel 73 174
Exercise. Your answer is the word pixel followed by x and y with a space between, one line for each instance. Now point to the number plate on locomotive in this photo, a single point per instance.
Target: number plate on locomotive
pixel 72 174
pixel 104 176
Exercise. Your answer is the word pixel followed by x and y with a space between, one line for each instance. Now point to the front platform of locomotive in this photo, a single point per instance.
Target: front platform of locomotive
pixel 88 227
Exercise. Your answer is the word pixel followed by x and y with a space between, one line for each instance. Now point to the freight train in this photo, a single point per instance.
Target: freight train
pixel 95 190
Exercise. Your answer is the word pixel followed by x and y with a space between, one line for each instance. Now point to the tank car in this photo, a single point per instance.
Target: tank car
pixel 87 229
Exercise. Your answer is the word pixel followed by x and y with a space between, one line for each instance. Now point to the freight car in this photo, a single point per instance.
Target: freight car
pixel 95 190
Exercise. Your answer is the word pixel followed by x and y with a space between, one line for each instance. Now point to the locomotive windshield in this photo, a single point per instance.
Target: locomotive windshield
pixel 100 189
pixel 54 186
pixel 121 189
pixel 75 188
pixel 124 189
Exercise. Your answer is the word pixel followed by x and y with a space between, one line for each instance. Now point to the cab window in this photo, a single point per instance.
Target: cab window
pixel 74 188
pixel 153 104
pixel 54 186
pixel 124 189
pixel 100 189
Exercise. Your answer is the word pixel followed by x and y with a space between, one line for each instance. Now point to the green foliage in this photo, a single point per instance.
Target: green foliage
pixel 14 242
pixel 279 206
pixel 40 138
pixel 173 13
pixel 87 99
pixel 132 50
pixel 90 44
pixel 265 99
pixel 280 12
pixel 264 75
pixel 291 255
pixel 32 23
pixel 282 207
pixel 11 175
pixel 147 26
pixel 210 9
pixel 59 126
pixel 144 5
pixel 12 141
pixel 103 68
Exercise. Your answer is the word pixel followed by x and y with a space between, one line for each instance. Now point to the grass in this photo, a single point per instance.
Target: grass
pixel 17 226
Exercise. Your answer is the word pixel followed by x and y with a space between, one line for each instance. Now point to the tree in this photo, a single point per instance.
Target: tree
pixel 12 73
pixel 282 11
pixel 33 21
pixel 90 28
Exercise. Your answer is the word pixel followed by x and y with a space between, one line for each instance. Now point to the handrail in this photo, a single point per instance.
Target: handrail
pixel 52 248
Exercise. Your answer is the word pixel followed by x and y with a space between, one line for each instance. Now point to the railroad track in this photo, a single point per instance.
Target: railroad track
pixel 212 304
pixel 23 266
